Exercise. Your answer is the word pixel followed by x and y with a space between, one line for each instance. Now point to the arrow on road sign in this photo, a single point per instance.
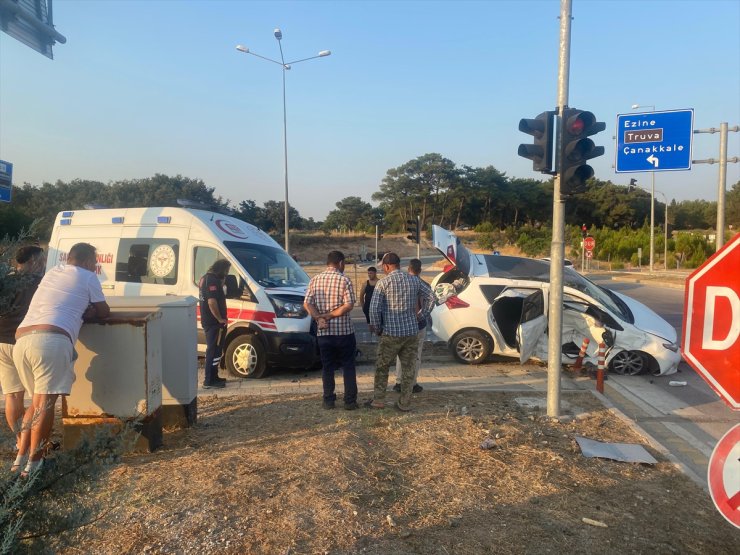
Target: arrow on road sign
pixel 653 160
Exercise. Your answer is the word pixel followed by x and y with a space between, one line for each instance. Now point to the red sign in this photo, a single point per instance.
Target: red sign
pixel 589 254
pixel 589 243
pixel 711 322
pixel 723 475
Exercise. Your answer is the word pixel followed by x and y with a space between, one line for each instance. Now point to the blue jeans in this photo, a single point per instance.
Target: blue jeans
pixel 213 354
pixel 338 351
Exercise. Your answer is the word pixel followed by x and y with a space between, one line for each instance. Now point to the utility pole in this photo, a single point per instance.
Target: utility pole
pixel 722 185
pixel 557 248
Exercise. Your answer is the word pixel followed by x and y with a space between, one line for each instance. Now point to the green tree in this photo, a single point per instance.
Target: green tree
pixel 351 213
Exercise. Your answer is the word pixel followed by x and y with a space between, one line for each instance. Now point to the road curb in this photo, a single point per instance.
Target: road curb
pixel 648 281
pixel 654 443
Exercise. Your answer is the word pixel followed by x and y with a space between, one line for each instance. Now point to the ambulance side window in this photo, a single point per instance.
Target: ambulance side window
pixel 148 261
pixel 203 258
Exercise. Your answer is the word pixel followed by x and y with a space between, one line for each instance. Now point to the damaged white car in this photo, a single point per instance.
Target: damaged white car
pixel 490 304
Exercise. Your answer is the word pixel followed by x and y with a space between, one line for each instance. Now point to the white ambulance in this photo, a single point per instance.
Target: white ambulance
pixel 165 251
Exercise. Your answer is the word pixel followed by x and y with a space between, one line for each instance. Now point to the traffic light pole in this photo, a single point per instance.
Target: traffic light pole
pixel 557 248
pixel 418 242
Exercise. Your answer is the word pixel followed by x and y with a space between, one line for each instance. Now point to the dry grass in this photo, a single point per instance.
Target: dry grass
pixel 281 475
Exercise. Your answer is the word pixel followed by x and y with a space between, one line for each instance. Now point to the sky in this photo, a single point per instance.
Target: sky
pixel 157 86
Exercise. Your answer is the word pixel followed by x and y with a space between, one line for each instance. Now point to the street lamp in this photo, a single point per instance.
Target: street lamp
pixel 652 200
pixel 285 66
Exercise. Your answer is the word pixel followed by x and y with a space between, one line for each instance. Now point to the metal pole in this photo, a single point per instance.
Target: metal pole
pixel 376 244
pixel 652 222
pixel 722 185
pixel 418 243
pixel 285 150
pixel 557 249
pixel 665 233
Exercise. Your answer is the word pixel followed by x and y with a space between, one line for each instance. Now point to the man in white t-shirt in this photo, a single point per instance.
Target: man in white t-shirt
pixel 45 340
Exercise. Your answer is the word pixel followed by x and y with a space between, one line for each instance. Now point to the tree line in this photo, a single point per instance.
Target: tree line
pixel 430 187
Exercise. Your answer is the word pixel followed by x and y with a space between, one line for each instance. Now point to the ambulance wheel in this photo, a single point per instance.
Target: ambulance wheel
pixel 245 357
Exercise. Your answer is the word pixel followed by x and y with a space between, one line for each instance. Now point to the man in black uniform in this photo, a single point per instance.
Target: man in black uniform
pixel 213 318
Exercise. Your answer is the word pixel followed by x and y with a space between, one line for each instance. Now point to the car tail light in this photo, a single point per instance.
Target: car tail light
pixel 456 302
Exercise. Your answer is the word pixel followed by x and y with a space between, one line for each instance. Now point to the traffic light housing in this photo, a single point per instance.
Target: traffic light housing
pixel 584 231
pixel 541 128
pixel 413 229
pixel 576 149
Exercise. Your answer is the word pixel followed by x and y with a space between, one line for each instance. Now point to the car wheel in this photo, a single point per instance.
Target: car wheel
pixel 245 357
pixel 471 347
pixel 628 363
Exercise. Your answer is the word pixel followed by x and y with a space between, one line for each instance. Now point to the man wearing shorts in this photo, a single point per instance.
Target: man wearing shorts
pixel 43 352
pixel 30 262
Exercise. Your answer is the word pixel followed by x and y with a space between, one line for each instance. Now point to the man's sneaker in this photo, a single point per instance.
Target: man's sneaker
pixel 351 406
pixel 397 388
pixel 215 385
pixel 219 379
pixel 328 405
pixel 417 389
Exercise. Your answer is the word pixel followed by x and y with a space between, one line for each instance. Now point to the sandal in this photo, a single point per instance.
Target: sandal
pixel 19 463
pixel 32 468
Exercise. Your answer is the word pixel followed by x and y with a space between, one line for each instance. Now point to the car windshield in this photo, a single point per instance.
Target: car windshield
pixel 268 266
pixel 573 279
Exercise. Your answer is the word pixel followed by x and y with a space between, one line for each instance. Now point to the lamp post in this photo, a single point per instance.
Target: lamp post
pixel 652 201
pixel 665 223
pixel 285 66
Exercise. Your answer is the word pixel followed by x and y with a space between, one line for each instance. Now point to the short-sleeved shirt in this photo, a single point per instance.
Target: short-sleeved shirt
pixel 399 302
pixel 329 290
pixel 211 287
pixel 62 297
pixel 11 319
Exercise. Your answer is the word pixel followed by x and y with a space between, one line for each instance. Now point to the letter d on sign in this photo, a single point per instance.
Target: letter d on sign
pixel 707 341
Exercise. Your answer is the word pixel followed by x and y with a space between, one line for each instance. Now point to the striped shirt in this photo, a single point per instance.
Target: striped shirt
pixel 329 290
pixel 396 298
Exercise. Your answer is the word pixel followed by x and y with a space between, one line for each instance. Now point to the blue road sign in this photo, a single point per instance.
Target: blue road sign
pixel 6 180
pixel 654 141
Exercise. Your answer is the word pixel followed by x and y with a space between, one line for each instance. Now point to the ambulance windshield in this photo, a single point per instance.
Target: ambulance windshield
pixel 268 266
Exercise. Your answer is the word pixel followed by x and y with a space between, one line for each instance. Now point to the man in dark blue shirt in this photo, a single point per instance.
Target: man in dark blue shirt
pixel 213 318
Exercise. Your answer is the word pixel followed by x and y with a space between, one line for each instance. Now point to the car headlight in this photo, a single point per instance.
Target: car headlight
pixel 288 307
pixel 671 347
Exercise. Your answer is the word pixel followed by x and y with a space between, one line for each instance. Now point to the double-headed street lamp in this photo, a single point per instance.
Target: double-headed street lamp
pixel 286 66
pixel 652 200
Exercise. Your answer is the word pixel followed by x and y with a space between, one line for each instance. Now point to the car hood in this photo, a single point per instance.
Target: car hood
pixel 647 320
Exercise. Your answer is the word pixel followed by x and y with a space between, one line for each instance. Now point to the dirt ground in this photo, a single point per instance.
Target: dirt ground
pixel 281 475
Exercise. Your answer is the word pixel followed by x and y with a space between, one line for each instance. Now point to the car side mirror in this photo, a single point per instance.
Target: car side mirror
pixel 232 289
pixel 608 338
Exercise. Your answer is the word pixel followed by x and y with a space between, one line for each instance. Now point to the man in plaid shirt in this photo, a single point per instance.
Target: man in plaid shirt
pixel 394 316
pixel 329 300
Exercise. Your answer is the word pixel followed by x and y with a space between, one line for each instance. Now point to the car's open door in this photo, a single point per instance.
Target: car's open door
pixel 532 324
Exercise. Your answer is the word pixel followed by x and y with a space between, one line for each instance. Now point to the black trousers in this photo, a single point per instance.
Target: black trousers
pixel 338 351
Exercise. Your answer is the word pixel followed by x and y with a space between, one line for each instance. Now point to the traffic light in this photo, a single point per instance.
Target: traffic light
pixel 541 128
pixel 576 148
pixel 584 231
pixel 413 229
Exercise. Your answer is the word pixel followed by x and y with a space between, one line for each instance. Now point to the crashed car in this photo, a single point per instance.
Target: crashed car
pixel 488 304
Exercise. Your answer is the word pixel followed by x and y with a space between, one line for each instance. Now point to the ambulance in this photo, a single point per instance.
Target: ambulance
pixel 165 251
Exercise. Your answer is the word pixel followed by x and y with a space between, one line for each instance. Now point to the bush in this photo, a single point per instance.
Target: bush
pixel 485 227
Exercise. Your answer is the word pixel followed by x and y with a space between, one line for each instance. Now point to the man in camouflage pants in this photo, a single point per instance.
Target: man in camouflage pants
pixel 394 317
